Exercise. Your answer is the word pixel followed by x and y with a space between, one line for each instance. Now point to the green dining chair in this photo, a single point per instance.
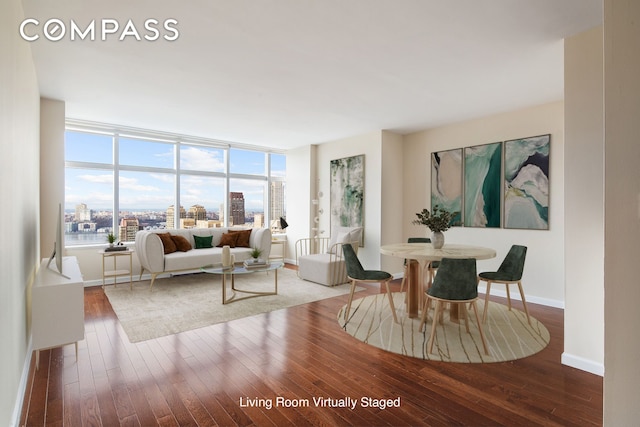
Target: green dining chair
pixel 408 261
pixel 356 273
pixel 510 271
pixel 455 283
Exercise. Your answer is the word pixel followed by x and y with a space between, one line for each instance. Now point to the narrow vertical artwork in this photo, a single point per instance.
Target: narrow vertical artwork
pixel 347 192
pixel 526 183
pixel 446 181
pixel 482 179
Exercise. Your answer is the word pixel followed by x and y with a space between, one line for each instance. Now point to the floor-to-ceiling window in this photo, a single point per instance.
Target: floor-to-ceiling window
pixel 154 180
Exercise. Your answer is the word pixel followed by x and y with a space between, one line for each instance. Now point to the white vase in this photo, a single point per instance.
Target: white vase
pixel 437 239
pixel 226 256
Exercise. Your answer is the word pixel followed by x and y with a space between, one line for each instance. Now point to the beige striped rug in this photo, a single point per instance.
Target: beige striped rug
pixel 508 334
pixel 191 301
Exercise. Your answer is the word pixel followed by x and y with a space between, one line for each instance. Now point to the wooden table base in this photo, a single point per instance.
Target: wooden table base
pixel 414 289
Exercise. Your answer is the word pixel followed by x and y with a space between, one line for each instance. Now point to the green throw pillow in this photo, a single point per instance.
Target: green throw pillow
pixel 203 242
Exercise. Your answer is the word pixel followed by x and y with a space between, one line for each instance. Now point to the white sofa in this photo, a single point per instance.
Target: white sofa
pixel 151 253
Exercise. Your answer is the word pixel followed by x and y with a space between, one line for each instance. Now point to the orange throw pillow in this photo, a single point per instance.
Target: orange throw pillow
pixel 167 242
pixel 243 238
pixel 228 239
pixel 182 244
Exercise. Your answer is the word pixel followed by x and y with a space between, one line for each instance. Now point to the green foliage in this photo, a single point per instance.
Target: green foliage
pixel 439 220
pixel 256 252
pixel 111 238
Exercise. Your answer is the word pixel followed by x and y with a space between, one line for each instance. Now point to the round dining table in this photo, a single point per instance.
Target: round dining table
pixel 423 254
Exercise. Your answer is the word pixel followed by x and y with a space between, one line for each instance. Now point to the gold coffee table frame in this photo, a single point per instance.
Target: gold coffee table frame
pixel 240 269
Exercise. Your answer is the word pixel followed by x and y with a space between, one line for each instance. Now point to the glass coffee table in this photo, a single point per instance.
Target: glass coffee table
pixel 231 272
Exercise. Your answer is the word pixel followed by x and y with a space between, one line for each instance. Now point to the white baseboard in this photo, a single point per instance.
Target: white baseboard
pixel 516 296
pixel 582 364
pixel 22 388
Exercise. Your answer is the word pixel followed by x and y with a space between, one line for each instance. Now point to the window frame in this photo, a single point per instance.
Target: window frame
pixel 178 142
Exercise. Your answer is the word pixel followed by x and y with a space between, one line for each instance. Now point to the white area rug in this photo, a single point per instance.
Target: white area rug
pixel 508 334
pixel 186 302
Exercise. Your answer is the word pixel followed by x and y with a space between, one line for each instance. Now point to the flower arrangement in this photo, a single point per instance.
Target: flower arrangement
pixel 437 221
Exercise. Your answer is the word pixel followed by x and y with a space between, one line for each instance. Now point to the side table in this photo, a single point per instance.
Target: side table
pixel 115 272
pixel 282 242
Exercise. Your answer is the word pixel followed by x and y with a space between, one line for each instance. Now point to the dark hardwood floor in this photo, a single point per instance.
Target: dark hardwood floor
pixel 198 378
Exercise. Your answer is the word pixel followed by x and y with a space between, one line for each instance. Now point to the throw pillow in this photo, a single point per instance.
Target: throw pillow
pixel 167 242
pixel 243 238
pixel 342 237
pixel 203 241
pixel 228 239
pixel 182 244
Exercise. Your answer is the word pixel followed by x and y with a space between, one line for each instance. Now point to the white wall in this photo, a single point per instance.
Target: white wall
pixel 622 212
pixel 19 218
pixel 52 119
pixel 584 202
pixel 543 278
pixel 392 198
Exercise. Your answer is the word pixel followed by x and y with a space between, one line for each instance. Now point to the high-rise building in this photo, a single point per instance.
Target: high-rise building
pixel 208 223
pixel 83 213
pixel 276 209
pixel 197 212
pixel 258 220
pixel 128 229
pixel 187 223
pixel 237 208
pixel 171 216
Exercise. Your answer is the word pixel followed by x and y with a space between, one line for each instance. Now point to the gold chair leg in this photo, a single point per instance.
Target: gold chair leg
pixel 393 308
pixel 425 313
pixel 486 302
pixel 461 308
pixel 484 342
pixel 524 303
pixel 404 276
pixel 352 291
pixel 436 313
pixel 508 296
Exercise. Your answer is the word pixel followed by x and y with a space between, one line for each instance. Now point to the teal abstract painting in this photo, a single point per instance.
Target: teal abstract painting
pixel 526 183
pixel 482 185
pixel 347 192
pixel 446 182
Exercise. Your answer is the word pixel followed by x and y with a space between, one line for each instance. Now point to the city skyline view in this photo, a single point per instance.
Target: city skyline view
pixel 142 177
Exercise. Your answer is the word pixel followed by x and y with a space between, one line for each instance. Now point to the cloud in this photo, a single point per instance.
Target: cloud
pixel 194 158
pixel 132 184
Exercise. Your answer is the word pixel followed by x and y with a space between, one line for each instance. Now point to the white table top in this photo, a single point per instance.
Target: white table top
pixel 426 252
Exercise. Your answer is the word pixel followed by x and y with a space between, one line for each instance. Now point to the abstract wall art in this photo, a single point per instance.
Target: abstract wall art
pixel 526 183
pixel 446 181
pixel 482 185
pixel 347 192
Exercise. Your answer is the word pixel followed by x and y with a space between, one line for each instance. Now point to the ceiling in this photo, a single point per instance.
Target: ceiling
pixel 288 73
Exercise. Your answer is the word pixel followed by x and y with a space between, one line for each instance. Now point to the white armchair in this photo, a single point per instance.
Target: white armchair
pixel 320 260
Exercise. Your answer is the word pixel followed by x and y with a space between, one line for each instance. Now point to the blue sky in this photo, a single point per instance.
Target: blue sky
pixel 144 190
